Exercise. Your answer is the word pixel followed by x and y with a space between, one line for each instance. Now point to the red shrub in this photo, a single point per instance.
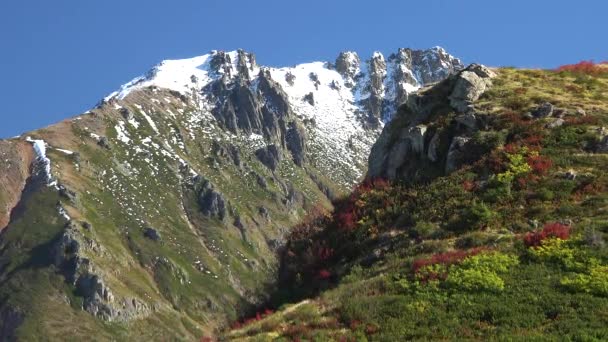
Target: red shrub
pixel 346 218
pixel 540 164
pixel 511 148
pixel 550 230
pixel 447 258
pixel 324 274
pixel 584 67
pixel 206 339
pixel 533 140
pixel 581 120
pixel 322 253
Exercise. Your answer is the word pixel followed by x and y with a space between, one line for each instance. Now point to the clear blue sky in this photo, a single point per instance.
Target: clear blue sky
pixel 59 57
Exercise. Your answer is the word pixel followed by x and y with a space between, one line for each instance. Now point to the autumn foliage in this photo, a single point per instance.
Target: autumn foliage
pixel 347 214
pixel 550 230
pixel 585 67
pixel 447 258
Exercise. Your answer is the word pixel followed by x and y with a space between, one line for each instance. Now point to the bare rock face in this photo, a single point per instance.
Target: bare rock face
pixel 470 85
pixel 348 64
pixel 440 152
pixel 270 156
pixel 455 153
pixel 10 319
pixel 211 202
pixel 296 142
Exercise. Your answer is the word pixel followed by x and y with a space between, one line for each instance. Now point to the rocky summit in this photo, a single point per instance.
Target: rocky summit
pixel 158 214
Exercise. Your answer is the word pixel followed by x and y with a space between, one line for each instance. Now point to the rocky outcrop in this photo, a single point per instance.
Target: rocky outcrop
pixel 470 84
pixel 270 156
pixel 152 234
pixel 10 319
pixel 348 65
pixel 296 142
pixel 211 202
pixel 243 109
pixel 374 89
pixel 68 255
pixel 409 141
pixel 456 153
pixel 543 111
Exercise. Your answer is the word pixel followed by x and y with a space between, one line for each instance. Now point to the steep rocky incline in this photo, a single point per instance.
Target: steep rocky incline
pixel 158 213
pixel 415 146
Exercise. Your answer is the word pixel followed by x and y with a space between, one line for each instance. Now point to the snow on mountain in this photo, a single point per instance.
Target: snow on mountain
pixel 343 104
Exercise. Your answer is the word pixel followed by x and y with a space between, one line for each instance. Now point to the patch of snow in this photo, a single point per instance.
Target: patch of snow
pixel 41 157
pixel 121 133
pixel 68 152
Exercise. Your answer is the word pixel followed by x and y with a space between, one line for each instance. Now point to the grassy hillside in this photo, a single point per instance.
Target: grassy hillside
pixel 511 246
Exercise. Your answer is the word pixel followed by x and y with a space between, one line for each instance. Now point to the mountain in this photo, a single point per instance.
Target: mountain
pixel 483 217
pixel 159 213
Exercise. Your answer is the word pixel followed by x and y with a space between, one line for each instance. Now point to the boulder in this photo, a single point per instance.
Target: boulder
pixel 555 123
pixel 211 202
pixel 455 153
pixel 104 142
pixel 151 234
pixel 470 84
pixel 126 113
pixel 543 111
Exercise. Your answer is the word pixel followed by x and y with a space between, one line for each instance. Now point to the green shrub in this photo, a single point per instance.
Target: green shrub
pixel 475 239
pixel 476 216
pixel 545 194
pixel 424 230
pixel 481 272
pixel 595 281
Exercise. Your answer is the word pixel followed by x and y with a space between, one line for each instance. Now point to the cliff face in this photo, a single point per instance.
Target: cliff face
pixel 415 145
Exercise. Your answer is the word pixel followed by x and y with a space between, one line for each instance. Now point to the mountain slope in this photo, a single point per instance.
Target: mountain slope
pixel 486 220
pixel 158 213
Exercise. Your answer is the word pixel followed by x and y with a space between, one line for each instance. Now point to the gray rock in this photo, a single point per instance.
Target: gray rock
pixel 580 112
pixel 432 153
pixel 211 202
pixel 290 78
pixel 104 142
pixel 347 64
pixel 555 123
pixel 10 319
pixel 469 86
pixel 296 142
pixel 315 79
pixel 468 121
pixel 264 213
pixel 559 112
pixel 67 194
pixel 310 98
pixel 455 153
pixel 410 144
pixel 543 111
pixel 261 181
pixel 270 156
pixel 151 234
pixel 126 113
pixel 570 174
